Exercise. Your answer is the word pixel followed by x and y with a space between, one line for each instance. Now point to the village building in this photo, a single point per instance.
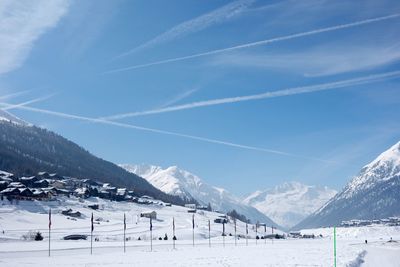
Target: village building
pixel 149 214
pixel 55 176
pixel 58 184
pixel 28 181
pixel 82 192
pixel 191 208
pixel 10 192
pixel 6 179
pixel 43 175
pixel 41 183
pixel 121 194
pixel 3 185
pixel 16 185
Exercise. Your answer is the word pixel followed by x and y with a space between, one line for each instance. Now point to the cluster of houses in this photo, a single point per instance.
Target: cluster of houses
pixel 192 208
pixel 391 221
pixel 47 186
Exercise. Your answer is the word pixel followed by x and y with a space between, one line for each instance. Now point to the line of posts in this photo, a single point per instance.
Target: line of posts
pixel 174 236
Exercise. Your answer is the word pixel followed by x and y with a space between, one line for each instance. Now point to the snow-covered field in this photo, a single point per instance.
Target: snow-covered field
pixel 17 220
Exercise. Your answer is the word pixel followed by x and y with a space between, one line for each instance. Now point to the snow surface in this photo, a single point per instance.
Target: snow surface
pixel 16 220
pixel 176 181
pixel 289 203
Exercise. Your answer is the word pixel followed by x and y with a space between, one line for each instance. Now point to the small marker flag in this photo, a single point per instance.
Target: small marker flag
pixel 91 220
pixel 151 224
pixel 124 222
pixel 49 218
pixel 193 221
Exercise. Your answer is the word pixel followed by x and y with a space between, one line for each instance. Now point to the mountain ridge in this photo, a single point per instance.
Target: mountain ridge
pixel 372 194
pixel 28 149
pixel 174 180
pixel 289 203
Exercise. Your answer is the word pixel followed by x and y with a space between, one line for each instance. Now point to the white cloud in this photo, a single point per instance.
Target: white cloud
pixel 21 24
pixel 320 61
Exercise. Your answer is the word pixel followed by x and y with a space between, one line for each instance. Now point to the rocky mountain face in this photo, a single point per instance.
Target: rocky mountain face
pixel 373 194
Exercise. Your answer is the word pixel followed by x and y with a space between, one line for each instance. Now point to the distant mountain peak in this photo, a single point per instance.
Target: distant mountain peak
pixel 289 203
pixel 179 182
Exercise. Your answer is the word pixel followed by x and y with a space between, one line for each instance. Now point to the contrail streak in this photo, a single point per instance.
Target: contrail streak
pixel 130 126
pixel 280 93
pixel 15 106
pixel 199 23
pixel 258 43
pixel 13 95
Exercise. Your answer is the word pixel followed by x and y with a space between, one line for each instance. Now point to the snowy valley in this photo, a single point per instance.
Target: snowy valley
pixel 175 181
pixel 289 203
pixel 17 220
pixel 218 239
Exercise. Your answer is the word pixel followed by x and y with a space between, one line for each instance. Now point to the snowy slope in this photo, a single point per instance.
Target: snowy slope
pixel 8 117
pixel 289 203
pixel 373 194
pixel 175 181
pixel 27 150
pixel 17 220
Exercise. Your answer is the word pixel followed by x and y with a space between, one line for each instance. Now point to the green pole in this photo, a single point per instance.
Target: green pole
pixel 334 245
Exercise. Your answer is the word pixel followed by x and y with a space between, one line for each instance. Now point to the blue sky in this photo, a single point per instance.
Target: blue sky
pixel 197 76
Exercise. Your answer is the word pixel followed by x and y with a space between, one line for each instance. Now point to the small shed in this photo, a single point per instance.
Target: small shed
pixel 221 220
pixel 121 194
pixel 149 214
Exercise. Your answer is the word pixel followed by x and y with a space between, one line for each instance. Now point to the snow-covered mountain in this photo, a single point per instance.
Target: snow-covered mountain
pixel 373 194
pixel 175 181
pixel 289 203
pixel 170 180
pixel 26 150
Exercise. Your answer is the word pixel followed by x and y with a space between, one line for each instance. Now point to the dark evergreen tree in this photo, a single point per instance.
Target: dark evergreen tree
pixel 236 215
pixel 209 208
